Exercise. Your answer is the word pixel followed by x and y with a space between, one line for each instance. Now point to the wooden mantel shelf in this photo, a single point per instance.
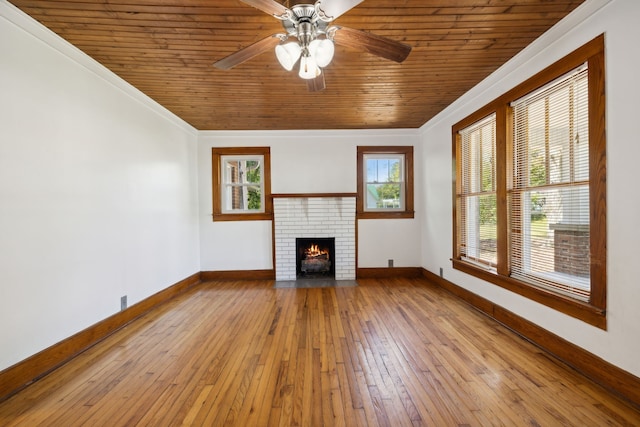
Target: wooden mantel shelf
pixel 310 195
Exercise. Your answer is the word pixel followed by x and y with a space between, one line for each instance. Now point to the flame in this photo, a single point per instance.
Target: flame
pixel 314 251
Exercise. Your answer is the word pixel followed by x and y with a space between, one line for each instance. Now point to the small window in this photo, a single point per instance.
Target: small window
pixel 241 189
pixel 242 185
pixel 385 182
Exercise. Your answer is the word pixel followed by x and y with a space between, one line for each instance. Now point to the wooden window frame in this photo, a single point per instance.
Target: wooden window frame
pixel 217 182
pixel 407 212
pixel 465 193
pixel 594 311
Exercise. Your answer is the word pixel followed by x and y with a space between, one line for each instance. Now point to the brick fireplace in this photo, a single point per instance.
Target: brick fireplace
pixel 315 216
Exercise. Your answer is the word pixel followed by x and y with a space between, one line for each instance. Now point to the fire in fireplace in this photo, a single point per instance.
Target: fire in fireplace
pixel 315 258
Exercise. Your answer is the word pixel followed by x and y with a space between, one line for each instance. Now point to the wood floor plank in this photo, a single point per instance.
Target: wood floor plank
pixel 390 352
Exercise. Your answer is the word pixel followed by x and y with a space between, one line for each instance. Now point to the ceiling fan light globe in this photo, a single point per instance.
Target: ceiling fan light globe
pixel 322 50
pixel 288 54
pixel 308 68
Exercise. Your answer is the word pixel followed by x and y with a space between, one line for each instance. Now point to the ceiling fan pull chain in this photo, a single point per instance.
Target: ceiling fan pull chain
pixel 331 32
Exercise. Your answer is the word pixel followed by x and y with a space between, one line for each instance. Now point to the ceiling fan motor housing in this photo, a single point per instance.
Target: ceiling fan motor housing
pixel 304 23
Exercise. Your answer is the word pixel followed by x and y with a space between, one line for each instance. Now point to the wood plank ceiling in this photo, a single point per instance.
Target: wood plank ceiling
pixel 166 49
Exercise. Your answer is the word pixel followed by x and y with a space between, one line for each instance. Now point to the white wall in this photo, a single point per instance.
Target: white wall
pixel 618 19
pixel 98 191
pixel 302 162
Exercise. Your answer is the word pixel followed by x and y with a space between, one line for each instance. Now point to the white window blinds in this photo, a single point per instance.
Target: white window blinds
pixel 549 201
pixel 476 198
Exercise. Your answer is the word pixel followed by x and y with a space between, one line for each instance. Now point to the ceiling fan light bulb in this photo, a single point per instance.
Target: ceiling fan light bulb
pixel 322 50
pixel 308 68
pixel 288 54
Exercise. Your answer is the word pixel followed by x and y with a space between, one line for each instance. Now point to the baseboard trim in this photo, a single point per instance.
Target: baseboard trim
pixel 614 379
pixel 25 372
pixel 385 272
pixel 238 275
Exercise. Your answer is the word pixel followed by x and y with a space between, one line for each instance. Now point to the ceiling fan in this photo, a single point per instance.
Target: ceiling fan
pixel 310 37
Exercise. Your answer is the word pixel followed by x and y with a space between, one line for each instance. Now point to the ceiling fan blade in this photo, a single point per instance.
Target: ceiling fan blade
pixel 374 44
pixel 334 8
pixel 317 84
pixel 268 6
pixel 248 52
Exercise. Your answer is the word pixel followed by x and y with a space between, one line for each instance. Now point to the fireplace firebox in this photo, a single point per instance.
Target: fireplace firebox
pixel 315 258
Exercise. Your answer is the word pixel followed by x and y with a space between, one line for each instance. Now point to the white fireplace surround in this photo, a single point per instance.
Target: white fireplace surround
pixel 315 216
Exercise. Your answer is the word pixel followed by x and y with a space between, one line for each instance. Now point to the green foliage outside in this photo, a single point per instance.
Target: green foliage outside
pixel 488 209
pixel 487 204
pixel 391 189
pixel 253 176
pixel 537 176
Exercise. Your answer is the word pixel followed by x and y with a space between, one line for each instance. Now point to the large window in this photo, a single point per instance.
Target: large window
pixel 549 198
pixel 241 184
pixel 385 182
pixel 477 193
pixel 530 211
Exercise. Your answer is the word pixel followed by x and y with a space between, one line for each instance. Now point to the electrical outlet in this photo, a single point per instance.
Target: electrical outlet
pixel 390 263
pixel 123 302
pixel 441 274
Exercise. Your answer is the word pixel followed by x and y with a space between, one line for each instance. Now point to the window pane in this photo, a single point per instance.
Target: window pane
pixel 383 170
pixel 254 201
pixel 384 196
pixel 480 234
pixel 242 171
pixel 252 168
pixel 242 197
pixel 551 246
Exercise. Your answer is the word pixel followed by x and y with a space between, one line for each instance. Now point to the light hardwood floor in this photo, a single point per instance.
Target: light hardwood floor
pixel 392 352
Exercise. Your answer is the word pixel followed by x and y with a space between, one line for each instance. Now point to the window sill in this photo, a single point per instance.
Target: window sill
pixel 574 308
pixel 263 216
pixel 385 215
